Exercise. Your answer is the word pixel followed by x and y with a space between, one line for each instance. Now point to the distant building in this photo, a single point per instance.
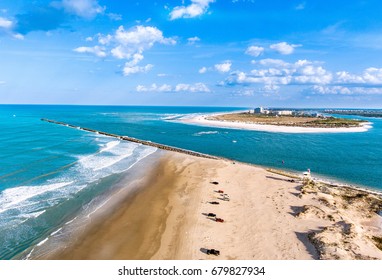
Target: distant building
pixel 259 110
pixel 317 115
pixel 284 113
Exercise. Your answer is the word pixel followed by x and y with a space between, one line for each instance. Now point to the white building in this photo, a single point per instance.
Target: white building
pixel 259 110
pixel 285 113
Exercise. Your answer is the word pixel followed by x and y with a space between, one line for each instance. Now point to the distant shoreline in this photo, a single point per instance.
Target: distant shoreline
pixel 203 120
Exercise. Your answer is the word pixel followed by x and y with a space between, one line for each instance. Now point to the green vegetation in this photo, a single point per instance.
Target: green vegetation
pixel 335 122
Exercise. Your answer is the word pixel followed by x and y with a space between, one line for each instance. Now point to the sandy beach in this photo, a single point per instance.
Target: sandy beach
pixel 203 121
pixel 268 216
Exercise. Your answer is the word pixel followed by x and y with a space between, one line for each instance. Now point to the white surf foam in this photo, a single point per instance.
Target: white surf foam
pixel 33 215
pixel 205 133
pixel 55 232
pixel 9 198
pixel 42 242
pixel 110 145
pixel 172 116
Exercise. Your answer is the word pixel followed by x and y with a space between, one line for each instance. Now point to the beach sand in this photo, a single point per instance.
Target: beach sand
pixel 267 217
pixel 204 121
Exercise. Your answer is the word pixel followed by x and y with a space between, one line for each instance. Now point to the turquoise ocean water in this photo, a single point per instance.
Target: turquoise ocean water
pixel 50 173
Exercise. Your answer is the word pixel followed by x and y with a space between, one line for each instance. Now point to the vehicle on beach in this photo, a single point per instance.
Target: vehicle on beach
pixel 213 252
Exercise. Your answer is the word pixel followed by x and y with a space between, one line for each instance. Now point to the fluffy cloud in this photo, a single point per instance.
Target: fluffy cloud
pixel 7 27
pixel 372 76
pixel 223 67
pixel 98 51
pixel 273 62
pixel 196 8
pixel 129 45
pixel 265 91
pixel 273 73
pixel 154 88
pixel 193 40
pixel 283 73
pixel 5 23
pixel 82 8
pixel 343 90
pixel 284 48
pixel 254 51
pixel 202 70
pixel 135 40
pixel 197 87
pixel 129 69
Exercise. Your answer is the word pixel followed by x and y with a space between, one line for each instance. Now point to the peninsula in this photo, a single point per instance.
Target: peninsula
pixel 281 121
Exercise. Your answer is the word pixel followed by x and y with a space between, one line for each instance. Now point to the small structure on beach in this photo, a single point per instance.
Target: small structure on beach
pixel 307 174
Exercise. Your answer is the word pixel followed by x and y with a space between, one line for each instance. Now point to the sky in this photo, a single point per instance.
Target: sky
pixel 271 53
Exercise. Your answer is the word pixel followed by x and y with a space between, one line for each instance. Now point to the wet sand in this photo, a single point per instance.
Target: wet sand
pixel 267 217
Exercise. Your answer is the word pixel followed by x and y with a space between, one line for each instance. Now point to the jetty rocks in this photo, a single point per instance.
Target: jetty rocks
pixel 135 140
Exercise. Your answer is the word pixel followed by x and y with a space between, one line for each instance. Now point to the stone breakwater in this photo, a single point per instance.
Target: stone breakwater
pixel 135 140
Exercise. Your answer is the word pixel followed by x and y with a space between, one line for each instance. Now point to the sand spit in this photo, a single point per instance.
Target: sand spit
pixel 204 121
pixel 267 216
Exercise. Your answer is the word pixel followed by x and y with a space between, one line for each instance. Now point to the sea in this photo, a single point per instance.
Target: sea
pixel 52 175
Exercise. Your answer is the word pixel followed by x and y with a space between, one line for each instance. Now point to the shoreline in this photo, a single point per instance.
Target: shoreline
pixel 203 121
pixel 279 219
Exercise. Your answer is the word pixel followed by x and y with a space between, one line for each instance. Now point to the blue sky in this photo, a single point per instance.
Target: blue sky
pixel 194 52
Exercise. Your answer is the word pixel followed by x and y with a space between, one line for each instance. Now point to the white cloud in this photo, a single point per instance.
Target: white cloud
pixel 5 23
pixel 371 76
pixel 18 36
pixel 129 45
pixel 196 8
pixel 245 92
pixel 304 72
pixel 193 40
pixel 83 8
pixel 197 87
pixel 273 62
pixel 223 67
pixel 154 87
pixel 133 69
pixel 104 39
pixel 342 90
pixel 284 48
pixel 265 91
pixel 202 70
pixel 135 40
pixel 283 73
pixel 116 17
pixel 6 26
pixel 254 51
pixel 98 51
